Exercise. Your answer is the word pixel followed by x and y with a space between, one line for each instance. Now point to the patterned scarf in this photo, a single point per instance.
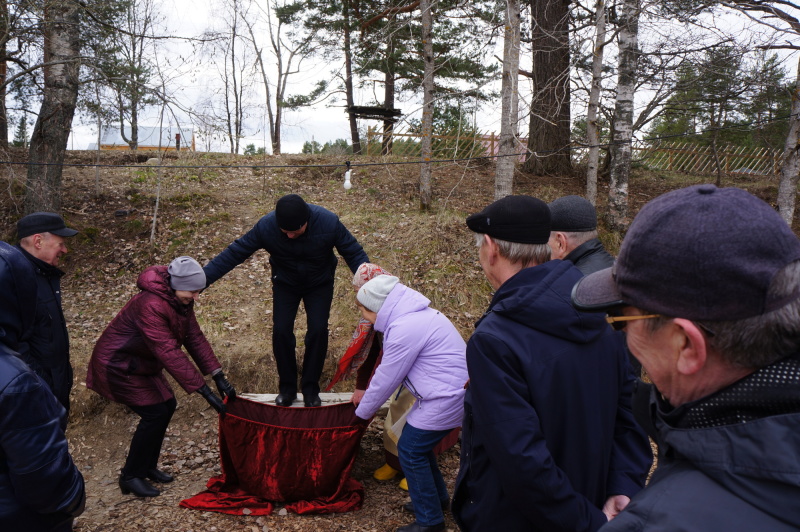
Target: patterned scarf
pixel 360 345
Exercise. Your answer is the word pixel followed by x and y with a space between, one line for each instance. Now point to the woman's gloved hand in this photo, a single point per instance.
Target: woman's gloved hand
pixel 225 388
pixel 212 399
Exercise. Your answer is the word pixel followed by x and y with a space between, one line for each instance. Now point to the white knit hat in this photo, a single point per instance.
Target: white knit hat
pixel 374 292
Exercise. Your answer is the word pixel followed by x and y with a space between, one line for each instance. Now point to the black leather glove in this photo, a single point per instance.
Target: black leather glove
pixel 225 388
pixel 212 399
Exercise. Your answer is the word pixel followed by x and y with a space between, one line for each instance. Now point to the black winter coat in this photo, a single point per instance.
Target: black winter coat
pixel 590 257
pixel 303 263
pixel 40 487
pixel 735 477
pixel 48 353
pixel 548 432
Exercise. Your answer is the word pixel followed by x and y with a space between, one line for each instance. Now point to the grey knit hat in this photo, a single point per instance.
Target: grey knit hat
pixel 374 292
pixel 572 214
pixel 186 274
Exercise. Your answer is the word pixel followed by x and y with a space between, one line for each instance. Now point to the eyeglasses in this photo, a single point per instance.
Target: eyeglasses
pixel 619 322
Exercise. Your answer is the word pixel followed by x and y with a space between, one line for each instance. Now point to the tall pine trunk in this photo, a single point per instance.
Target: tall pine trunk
pixel 51 132
pixel 549 135
pixel 507 160
pixel 790 164
pixel 622 129
pixel 425 194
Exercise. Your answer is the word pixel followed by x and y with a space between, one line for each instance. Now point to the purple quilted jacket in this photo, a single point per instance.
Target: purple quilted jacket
pixel 145 338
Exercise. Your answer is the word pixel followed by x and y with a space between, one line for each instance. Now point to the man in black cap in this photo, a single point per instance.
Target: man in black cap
pixel 573 234
pixel 42 239
pixel 707 288
pixel 549 441
pixel 300 239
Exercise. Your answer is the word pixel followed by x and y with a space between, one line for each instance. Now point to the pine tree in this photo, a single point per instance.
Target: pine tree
pixel 21 135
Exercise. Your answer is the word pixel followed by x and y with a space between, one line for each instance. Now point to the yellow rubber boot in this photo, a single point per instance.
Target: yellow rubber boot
pixel 403 484
pixel 385 472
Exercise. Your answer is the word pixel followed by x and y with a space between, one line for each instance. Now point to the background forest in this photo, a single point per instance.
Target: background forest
pixel 551 79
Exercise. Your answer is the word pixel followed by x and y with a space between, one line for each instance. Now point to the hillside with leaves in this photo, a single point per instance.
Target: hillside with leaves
pixel 204 203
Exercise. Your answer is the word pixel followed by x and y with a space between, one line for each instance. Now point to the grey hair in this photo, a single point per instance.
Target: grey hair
pixel 576 239
pixel 524 254
pixel 760 340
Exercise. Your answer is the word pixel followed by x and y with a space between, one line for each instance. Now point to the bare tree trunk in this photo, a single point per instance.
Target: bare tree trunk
pixel 790 165
pixel 51 132
pixel 5 30
pixel 265 80
pixel 509 114
pixel 592 135
pixel 388 99
pixel 427 103
pixel 622 130
pixel 348 80
pixel 549 135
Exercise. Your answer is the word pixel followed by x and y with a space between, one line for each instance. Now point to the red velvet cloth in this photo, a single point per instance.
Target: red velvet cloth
pixel 301 457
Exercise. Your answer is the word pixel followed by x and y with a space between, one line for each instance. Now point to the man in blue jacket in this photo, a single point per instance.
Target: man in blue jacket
pixel 41 490
pixel 300 239
pixel 549 441
pixel 707 288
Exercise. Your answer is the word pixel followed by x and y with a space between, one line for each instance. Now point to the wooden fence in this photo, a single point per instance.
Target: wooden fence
pixel 671 156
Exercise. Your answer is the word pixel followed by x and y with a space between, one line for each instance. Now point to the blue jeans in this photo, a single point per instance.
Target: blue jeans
pixel 425 483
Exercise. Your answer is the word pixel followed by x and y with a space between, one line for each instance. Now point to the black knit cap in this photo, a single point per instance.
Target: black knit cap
pixel 572 214
pixel 291 212
pixel 521 219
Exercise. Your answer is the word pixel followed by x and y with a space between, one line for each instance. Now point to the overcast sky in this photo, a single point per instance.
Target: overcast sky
pixel 323 122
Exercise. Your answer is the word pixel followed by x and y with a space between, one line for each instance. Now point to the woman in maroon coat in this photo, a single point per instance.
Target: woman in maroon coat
pixel 144 338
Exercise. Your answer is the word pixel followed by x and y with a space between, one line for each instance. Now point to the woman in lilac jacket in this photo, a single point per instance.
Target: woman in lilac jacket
pixel 424 352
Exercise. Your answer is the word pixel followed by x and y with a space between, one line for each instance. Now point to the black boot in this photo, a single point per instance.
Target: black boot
pixel 312 400
pixel 285 399
pixel 138 486
pixel 159 476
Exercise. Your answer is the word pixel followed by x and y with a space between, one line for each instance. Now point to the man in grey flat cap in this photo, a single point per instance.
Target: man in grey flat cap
pixel 42 240
pixel 573 234
pixel 707 289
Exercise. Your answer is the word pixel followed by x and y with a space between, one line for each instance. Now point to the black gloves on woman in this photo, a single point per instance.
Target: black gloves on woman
pixel 212 399
pixel 224 387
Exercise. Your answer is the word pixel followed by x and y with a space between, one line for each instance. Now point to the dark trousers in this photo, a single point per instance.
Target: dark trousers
pixel 147 440
pixel 285 303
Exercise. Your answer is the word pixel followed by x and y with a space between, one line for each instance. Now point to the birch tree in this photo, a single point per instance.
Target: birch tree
pixel 592 128
pixel 509 114
pixel 790 162
pixel 622 125
pixel 51 131
pixel 426 7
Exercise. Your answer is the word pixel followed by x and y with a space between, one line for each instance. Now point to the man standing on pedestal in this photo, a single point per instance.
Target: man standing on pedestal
pixel 300 239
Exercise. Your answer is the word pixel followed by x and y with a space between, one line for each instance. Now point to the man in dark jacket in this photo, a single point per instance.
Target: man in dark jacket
pixel 573 237
pixel 573 234
pixel 549 441
pixel 707 288
pixel 40 487
pixel 300 239
pixel 42 239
